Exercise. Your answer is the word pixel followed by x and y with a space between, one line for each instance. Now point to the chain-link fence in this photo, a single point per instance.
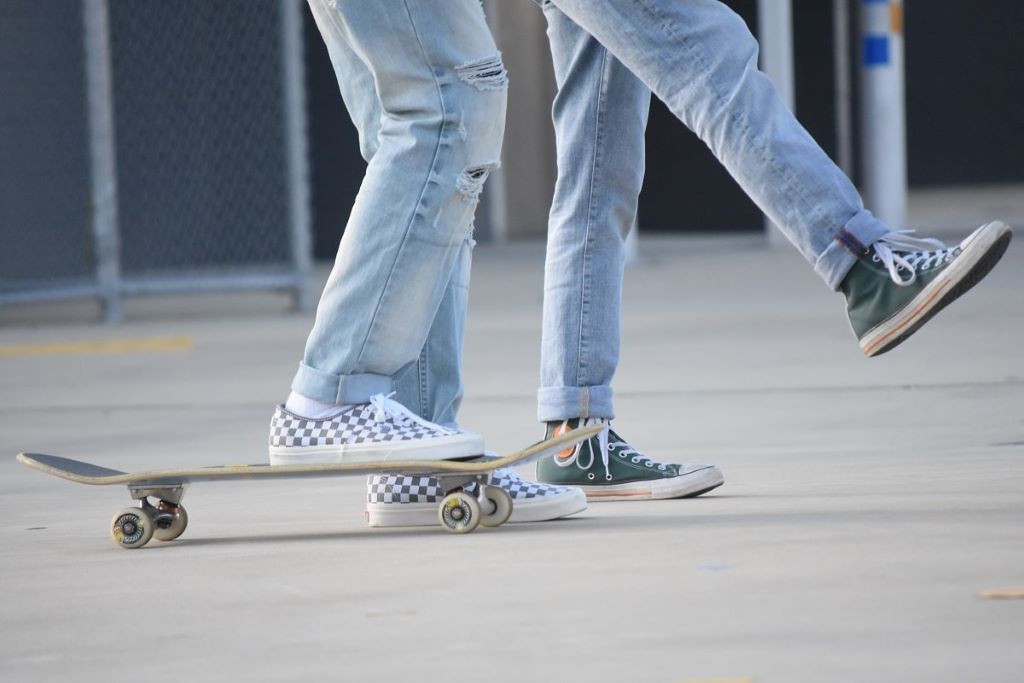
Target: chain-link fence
pixel 44 151
pixel 151 147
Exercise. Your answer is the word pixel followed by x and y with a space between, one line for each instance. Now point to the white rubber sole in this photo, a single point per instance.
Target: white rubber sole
pixel 455 446
pixel 690 484
pixel 981 251
pixel 539 509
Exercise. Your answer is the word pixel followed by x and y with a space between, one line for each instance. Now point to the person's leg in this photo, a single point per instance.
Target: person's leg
pixel 442 90
pixel 599 114
pixel 440 86
pixel 700 58
pixel 431 386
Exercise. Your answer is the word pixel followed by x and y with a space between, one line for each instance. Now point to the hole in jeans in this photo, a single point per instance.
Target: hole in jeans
pixel 471 181
pixel 484 74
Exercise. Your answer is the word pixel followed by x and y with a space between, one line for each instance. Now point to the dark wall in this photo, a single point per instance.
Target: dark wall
pixel 965 66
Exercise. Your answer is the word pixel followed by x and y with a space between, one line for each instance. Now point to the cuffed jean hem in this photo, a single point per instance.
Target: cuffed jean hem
pixel 562 403
pixel 339 389
pixel 850 243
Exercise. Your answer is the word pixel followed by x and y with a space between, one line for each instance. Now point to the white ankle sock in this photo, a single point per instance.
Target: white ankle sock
pixel 303 406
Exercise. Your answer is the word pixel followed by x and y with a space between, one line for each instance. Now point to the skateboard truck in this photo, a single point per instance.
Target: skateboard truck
pixel 133 527
pixel 460 512
pixel 171 494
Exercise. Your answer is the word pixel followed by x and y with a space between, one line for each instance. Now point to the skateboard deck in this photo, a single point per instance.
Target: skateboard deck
pixel 458 512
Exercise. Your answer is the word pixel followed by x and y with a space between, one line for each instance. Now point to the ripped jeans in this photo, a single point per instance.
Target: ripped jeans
pixel 424 84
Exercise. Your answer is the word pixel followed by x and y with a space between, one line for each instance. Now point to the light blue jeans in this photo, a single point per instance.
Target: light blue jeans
pixel 699 58
pixel 424 84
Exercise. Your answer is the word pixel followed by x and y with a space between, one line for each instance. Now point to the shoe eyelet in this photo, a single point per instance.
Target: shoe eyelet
pixel 590 476
pixel 875 258
pixel 635 461
pixel 648 464
pixel 607 477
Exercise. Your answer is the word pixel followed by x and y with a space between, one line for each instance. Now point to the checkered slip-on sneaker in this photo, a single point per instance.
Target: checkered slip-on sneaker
pixel 901 281
pixel 607 468
pixel 395 500
pixel 382 429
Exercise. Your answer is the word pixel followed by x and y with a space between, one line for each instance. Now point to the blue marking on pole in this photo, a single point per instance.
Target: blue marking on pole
pixel 876 50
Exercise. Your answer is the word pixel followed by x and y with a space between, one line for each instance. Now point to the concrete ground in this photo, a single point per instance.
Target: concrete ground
pixel 868 504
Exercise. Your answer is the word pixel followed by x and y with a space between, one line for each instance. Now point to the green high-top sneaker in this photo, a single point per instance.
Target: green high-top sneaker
pixel 900 282
pixel 606 468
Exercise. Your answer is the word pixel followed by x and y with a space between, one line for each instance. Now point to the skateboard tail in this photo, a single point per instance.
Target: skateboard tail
pixel 66 468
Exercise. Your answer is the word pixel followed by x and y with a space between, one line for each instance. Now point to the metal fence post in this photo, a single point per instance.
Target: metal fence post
pixel 102 152
pixel 296 151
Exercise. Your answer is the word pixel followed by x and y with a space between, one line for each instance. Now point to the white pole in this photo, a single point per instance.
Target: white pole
pixel 775 30
pixel 103 155
pixel 883 111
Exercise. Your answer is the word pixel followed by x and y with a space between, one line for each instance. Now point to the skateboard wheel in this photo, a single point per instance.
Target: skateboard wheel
pixel 170 522
pixel 496 504
pixel 459 512
pixel 132 528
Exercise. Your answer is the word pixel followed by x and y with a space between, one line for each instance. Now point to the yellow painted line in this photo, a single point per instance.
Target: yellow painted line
pixel 1003 594
pixel 154 345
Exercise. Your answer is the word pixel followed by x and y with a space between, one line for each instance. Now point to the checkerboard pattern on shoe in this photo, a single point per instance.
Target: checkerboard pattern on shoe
pixel 357 424
pixel 397 500
pixel 381 429
pixel 397 488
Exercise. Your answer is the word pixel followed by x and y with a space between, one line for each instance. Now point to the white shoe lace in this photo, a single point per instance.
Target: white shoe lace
pixel 605 446
pixel 387 410
pixel 898 250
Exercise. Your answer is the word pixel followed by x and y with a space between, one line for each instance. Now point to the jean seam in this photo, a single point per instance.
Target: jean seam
pixel 424 388
pixel 582 343
pixel 429 178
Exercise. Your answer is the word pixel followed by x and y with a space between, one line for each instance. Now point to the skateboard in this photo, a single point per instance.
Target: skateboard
pixel 458 512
